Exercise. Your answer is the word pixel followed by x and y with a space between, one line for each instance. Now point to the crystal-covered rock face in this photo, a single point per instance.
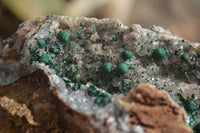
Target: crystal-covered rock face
pixel 73 51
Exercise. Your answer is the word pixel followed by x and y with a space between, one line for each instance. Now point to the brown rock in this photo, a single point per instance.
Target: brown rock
pixel 43 112
pixel 155 111
pixel 31 92
pixel 15 108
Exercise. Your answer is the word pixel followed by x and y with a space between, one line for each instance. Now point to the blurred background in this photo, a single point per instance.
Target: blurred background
pixel 181 17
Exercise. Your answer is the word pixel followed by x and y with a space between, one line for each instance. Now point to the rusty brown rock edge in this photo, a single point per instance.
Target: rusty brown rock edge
pixel 154 110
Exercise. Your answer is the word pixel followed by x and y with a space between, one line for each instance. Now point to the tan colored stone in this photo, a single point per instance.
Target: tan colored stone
pixel 155 111
pixel 18 109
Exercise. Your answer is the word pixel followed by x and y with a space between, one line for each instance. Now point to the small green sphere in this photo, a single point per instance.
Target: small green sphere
pixel 53 49
pixel 114 38
pixel 106 67
pixel 106 100
pixel 98 100
pixel 191 105
pixel 127 54
pixel 185 57
pixel 159 53
pixel 75 87
pixel 41 43
pixel 63 36
pixel 105 94
pixel 122 68
pixel 90 91
pixel 96 93
pixel 46 58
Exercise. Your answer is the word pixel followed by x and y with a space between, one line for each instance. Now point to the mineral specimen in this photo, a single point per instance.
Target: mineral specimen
pixel 73 74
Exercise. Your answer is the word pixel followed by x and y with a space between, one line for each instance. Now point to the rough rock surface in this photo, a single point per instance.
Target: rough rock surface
pixel 146 110
pixel 65 73
pixel 154 110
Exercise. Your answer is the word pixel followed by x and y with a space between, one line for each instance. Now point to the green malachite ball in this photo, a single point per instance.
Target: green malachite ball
pixel 106 100
pixel 41 43
pixel 98 100
pixel 122 68
pixel 53 49
pixel 106 67
pixel 63 36
pixel 114 38
pixel 159 53
pixel 127 54
pixel 105 94
pixel 191 105
pixel 185 57
pixel 46 58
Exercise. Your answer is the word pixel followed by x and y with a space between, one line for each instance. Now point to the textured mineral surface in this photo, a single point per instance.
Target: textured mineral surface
pixel 73 75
